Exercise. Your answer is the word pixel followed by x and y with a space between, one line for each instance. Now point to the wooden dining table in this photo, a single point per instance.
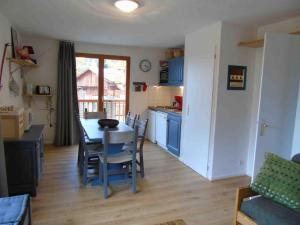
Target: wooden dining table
pixel 95 132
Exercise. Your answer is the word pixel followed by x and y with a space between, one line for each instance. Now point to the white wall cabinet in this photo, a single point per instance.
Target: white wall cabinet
pixel 200 50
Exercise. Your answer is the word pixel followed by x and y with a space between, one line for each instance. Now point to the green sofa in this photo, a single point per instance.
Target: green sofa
pixel 262 211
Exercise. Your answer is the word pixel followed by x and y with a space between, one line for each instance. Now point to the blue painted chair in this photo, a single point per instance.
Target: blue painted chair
pixel 95 115
pixel 142 128
pixel 88 157
pixel 130 120
pixel 15 210
pixel 112 139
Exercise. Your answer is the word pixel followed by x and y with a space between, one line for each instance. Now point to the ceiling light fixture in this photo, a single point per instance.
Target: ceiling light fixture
pixel 126 6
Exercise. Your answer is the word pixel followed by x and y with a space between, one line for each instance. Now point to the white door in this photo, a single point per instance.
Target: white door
pixel 278 97
pixel 161 129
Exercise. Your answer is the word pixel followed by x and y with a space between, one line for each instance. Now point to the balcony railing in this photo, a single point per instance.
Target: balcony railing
pixel 115 109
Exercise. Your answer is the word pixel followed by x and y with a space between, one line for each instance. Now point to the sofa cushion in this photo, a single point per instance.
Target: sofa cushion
pixel 13 209
pixel 279 180
pixel 267 212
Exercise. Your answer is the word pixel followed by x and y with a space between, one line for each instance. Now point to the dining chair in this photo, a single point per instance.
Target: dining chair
pixel 89 153
pixel 130 120
pixel 142 128
pixel 95 115
pixel 110 139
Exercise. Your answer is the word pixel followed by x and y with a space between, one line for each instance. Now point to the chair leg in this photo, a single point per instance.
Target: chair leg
pixel 133 171
pixel 142 164
pixel 78 157
pixel 85 171
pixel 100 171
pixel 105 181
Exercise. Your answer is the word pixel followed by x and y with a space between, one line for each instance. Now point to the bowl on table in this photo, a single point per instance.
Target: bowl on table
pixel 110 123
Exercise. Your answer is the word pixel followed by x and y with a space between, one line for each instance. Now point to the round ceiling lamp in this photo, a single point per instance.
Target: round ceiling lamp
pixel 126 6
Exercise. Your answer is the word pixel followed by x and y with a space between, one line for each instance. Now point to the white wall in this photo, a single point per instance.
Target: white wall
pixel 200 48
pixel 162 96
pixel 46 52
pixel 215 126
pixel 6 96
pixel 296 137
pixel 233 115
pixel 285 26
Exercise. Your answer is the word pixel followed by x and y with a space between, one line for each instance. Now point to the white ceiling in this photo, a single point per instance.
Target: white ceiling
pixel 158 23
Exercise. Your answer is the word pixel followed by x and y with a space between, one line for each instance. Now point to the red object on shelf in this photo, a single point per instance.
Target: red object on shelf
pixel 145 87
pixel 179 100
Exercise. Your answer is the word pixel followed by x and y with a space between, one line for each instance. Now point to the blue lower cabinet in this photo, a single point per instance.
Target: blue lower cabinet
pixel 174 134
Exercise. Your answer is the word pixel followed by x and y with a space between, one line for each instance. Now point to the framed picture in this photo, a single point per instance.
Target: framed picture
pixel 15 42
pixel 237 77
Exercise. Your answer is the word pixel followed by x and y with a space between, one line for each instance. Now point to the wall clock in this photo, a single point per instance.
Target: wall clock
pixel 145 65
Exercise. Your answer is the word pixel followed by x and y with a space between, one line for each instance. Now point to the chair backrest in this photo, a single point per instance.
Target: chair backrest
pixel 81 132
pixel 95 115
pixel 142 124
pixel 130 120
pixel 127 117
pixel 115 137
pixel 142 128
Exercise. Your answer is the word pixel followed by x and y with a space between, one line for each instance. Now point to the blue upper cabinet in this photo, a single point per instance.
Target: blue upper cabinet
pixel 176 70
pixel 176 67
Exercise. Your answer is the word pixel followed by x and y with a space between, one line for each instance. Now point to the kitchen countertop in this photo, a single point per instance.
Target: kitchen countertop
pixel 169 110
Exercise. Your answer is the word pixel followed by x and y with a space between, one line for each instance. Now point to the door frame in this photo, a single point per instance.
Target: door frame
pixel 101 58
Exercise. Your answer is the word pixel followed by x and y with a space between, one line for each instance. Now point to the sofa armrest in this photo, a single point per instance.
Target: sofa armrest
pixel 241 193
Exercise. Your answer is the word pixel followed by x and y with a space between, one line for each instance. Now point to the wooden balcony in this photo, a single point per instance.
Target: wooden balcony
pixel 116 109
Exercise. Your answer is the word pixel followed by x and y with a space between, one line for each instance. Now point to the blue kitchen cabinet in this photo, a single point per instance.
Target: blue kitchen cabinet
pixel 174 133
pixel 176 70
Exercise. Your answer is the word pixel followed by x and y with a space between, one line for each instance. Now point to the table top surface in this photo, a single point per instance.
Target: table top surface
pixel 95 132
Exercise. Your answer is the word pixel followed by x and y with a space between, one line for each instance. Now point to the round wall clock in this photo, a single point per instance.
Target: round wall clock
pixel 145 65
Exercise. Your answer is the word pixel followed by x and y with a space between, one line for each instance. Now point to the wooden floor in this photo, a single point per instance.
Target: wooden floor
pixel 169 191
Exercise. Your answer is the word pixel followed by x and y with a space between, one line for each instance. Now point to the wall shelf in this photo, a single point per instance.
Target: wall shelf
pixel 48 97
pixel 21 62
pixel 259 43
pixel 34 95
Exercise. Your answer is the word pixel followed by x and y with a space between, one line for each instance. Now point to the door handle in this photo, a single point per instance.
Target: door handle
pixel 263 127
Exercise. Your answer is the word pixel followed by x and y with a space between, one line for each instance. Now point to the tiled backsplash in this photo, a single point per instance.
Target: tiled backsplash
pixel 163 96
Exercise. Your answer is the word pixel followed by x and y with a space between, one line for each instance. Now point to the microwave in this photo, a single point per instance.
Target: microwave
pixel 27 119
pixel 164 76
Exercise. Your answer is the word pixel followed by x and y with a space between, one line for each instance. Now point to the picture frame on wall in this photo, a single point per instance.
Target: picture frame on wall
pixel 237 77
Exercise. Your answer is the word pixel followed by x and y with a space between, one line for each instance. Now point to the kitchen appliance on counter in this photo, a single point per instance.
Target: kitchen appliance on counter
pixel 179 101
